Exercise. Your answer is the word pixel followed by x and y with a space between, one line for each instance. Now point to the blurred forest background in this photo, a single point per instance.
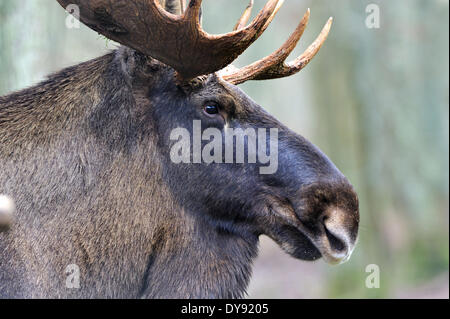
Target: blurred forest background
pixel 375 100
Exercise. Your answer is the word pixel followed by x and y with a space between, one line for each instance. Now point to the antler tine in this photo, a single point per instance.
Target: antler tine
pixel 259 24
pixel 193 10
pixel 274 61
pixel 303 60
pixel 274 66
pixel 245 17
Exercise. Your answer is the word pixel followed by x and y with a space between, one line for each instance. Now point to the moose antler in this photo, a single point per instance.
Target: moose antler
pixel 180 42
pixel 274 65
pixel 176 40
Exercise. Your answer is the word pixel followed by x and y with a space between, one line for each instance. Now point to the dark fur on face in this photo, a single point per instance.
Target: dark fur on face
pixel 85 156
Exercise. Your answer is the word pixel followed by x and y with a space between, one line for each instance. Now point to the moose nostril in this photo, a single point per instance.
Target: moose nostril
pixel 336 231
pixel 335 243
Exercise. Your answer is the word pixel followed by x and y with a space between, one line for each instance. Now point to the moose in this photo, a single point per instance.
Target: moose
pixel 85 156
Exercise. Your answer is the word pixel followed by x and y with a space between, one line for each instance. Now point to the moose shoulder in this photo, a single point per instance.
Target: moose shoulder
pixel 86 157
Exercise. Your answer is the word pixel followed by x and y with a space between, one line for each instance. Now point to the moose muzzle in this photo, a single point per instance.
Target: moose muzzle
pixel 328 216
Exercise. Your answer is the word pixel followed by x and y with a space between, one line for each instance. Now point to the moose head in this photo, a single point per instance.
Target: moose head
pixel 164 133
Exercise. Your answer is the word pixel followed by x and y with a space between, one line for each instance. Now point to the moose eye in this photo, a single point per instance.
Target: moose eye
pixel 211 109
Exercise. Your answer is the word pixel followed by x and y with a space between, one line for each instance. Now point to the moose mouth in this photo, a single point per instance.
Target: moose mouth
pixel 328 239
pixel 298 245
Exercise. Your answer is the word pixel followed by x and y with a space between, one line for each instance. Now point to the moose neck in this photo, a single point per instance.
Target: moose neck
pixel 194 260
